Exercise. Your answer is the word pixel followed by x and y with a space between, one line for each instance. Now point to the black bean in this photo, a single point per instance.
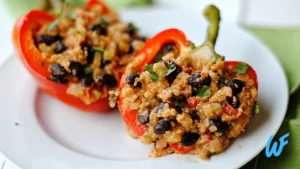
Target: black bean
pixel 77 69
pixel 189 139
pixel 194 115
pixel 142 38
pixel 236 86
pixel 196 81
pixel 101 30
pixel 178 108
pixel 180 98
pixel 221 125
pixel 168 48
pixel 221 82
pixel 131 80
pixel 131 30
pixel 58 70
pixel 162 126
pixel 160 106
pixel 172 76
pixel 206 81
pixel 172 118
pixel 131 44
pixel 145 118
pixel 87 81
pixel 48 39
pixel 233 101
pixel 86 47
pixel 178 102
pixel 104 62
pixel 59 47
pixel 35 40
pixel 108 80
pixel 92 27
pixel 130 49
pixel 58 73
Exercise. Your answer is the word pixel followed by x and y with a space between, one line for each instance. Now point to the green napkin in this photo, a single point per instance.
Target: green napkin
pixel 284 43
pixel 19 7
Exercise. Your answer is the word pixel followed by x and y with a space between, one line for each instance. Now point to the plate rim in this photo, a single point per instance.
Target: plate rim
pixel 254 38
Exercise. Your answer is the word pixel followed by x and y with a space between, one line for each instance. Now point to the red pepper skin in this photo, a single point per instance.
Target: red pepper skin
pixel 153 46
pixel 23 33
pixel 91 3
pixel 149 51
pixel 180 149
pixel 231 65
pixel 130 119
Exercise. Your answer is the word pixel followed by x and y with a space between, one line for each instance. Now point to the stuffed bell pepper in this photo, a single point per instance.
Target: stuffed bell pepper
pixel 186 99
pixel 79 55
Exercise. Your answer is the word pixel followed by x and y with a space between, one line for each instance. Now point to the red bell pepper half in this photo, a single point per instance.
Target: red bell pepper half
pixel 92 3
pixel 23 33
pixel 149 52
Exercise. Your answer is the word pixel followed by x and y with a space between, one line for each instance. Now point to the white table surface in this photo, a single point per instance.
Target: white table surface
pixel 269 13
pixel 6 24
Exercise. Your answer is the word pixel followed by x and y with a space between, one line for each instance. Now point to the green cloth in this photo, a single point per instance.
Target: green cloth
pixel 19 7
pixel 284 43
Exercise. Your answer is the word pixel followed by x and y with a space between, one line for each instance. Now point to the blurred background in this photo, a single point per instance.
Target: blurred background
pixel 275 22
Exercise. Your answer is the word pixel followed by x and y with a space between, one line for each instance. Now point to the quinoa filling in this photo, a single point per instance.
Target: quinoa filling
pixel 187 99
pixel 88 51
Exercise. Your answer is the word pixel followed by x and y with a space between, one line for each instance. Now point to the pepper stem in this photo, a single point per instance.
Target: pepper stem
pixel 212 15
pixel 54 6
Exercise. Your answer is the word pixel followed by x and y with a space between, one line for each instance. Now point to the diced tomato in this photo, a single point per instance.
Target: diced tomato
pixel 228 109
pixel 180 149
pixel 192 102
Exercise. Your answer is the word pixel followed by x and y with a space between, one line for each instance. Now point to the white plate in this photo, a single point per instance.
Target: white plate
pixel 50 135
